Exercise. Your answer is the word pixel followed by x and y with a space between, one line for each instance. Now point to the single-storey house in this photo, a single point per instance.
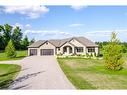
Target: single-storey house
pixel 68 46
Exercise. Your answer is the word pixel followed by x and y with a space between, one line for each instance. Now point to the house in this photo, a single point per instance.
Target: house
pixel 68 46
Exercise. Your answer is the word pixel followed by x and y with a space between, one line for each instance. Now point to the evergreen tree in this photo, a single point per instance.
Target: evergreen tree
pixel 10 50
pixel 25 43
pixel 113 54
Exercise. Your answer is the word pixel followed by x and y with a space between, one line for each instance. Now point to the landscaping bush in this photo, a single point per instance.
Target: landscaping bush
pixel 10 50
pixel 87 55
pixel 95 55
pixel 91 55
pixel 100 55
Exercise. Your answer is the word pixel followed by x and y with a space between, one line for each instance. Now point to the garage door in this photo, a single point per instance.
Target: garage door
pixel 47 51
pixel 33 52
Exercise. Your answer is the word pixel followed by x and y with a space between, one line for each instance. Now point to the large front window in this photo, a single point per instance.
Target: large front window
pixel 79 49
pixel 91 49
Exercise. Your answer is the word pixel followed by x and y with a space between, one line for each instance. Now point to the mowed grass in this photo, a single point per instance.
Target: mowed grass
pixel 92 74
pixel 20 55
pixel 8 73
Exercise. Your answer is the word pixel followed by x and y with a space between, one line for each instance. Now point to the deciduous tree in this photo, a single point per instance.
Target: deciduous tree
pixel 113 54
pixel 17 37
pixel 25 43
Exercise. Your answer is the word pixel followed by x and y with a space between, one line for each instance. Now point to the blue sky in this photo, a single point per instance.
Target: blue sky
pixel 53 22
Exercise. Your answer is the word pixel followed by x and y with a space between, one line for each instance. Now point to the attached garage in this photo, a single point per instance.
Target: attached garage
pixel 47 51
pixel 41 48
pixel 33 52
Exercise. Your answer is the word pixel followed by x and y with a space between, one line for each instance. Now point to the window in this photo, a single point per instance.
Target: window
pixel 79 49
pixel 91 49
pixel 46 43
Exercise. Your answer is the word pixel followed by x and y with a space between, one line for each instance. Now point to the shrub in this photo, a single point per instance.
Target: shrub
pixel 113 54
pixel 10 50
pixel 100 55
pixel 91 55
pixel 95 55
pixel 73 54
pixel 87 55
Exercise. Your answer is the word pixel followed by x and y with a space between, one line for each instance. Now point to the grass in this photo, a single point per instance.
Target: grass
pixel 8 73
pixel 20 55
pixel 92 74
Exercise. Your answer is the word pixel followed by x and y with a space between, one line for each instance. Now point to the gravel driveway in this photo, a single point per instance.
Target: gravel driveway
pixel 40 72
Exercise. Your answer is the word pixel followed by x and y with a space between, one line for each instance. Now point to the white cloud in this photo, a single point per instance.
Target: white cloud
pixel 46 32
pixel 105 35
pixel 76 25
pixel 22 26
pixel 19 25
pixel 28 26
pixel 32 12
pixel 39 34
pixel 78 7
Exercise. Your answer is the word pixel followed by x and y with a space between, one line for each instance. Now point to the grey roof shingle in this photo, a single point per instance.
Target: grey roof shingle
pixel 60 42
pixel 85 41
pixel 37 44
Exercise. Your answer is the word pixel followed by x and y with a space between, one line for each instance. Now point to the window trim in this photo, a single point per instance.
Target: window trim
pixel 91 49
pixel 79 49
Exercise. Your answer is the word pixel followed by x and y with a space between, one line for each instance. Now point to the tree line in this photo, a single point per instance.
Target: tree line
pixel 8 32
pixel 103 44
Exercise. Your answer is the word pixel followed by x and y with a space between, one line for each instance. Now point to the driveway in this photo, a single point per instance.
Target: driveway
pixel 40 72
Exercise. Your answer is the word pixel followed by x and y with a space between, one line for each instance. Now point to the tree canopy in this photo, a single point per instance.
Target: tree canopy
pixel 8 32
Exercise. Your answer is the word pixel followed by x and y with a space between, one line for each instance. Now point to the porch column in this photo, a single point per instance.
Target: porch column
pixel 96 50
pixel 28 52
pixel 67 50
pixel 73 50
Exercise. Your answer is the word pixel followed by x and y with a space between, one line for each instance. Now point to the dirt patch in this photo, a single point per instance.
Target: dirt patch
pixel 79 64
pixel 102 81
pixel 72 64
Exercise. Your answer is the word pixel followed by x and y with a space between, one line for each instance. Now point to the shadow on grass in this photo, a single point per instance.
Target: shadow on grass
pixel 20 57
pixel 4 84
pixel 11 84
pixel 21 79
pixel 14 72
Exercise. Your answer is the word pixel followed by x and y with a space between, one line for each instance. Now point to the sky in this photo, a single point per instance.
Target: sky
pixel 57 22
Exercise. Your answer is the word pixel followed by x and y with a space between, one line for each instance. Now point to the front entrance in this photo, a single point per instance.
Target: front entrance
pixel 47 51
pixel 33 52
pixel 67 50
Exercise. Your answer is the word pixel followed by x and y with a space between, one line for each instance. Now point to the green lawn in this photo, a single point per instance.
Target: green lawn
pixel 91 74
pixel 20 55
pixel 8 73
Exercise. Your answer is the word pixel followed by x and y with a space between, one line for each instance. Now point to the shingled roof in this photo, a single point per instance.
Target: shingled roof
pixel 60 42
pixel 37 44
pixel 85 41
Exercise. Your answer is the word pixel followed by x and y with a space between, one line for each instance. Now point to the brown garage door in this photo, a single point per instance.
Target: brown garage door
pixel 47 51
pixel 33 52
